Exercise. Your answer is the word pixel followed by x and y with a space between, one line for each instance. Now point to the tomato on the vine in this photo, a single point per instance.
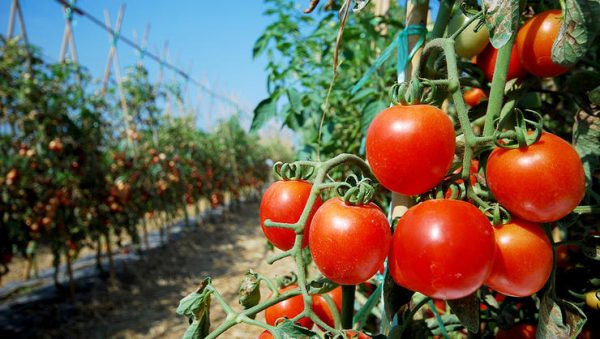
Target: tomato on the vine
pixel 468 43
pixel 284 202
pixel 265 335
pixel 322 309
pixel 540 183
pixel 474 96
pixel 523 261
pixel 519 331
pixel 288 308
pixel 349 243
pixel 410 148
pixel 442 248
pixel 534 44
pixel 486 61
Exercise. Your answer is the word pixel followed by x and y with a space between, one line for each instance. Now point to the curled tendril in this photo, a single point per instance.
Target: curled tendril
pixel 417 91
pixel 519 137
pixel 292 171
pixel 287 280
pixel 498 214
pixel 356 192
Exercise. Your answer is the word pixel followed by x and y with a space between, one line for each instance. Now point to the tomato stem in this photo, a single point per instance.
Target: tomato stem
pixel 348 292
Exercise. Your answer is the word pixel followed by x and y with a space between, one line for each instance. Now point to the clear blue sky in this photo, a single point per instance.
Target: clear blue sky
pixel 215 38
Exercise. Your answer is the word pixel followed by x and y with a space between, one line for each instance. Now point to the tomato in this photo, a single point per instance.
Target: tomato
pixel 540 183
pixel 284 202
pixel 468 43
pixel 474 96
pixel 349 243
pixel 534 44
pixel 356 335
pixel 473 169
pixel 440 307
pixel 523 261
pixel 321 307
pixel 592 299
pixel 410 148
pixel 288 308
pixel 519 331
pixel 486 61
pixel 443 249
pixel 265 335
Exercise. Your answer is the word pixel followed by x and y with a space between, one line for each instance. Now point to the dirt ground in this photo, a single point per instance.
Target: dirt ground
pixel 143 303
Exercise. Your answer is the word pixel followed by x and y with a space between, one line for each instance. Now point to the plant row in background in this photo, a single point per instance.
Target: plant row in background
pixel 79 167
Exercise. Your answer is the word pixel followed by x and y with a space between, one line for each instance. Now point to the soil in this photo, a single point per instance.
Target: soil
pixel 143 301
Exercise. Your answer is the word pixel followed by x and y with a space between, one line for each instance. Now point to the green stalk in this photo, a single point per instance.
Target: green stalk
pixel 441 21
pixel 498 83
pixel 348 292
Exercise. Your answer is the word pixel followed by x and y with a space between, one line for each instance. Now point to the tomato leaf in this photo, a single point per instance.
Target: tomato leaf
pixel 288 329
pixel 501 19
pixel 261 43
pixel 249 293
pixel 585 138
pixel 321 286
pixel 370 111
pixel 559 319
pixel 577 32
pixel 395 298
pixel 467 310
pixel 594 96
pixel 196 307
pixel 265 110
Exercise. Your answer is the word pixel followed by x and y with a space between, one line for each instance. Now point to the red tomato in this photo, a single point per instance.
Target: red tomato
pixel 356 335
pixel 349 243
pixel 288 308
pixel 410 148
pixel 523 261
pixel 321 307
pixel 440 307
pixel 486 61
pixel 474 168
pixel 442 248
pixel 540 183
pixel 474 96
pixel 284 202
pixel 534 44
pixel 265 335
pixel 519 331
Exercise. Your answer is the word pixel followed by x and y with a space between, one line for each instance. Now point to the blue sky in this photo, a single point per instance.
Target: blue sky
pixel 212 38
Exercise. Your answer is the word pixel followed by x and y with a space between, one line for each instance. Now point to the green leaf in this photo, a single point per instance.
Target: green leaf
pixel 288 329
pixel 501 19
pixel 249 292
pixel 594 96
pixel 264 111
pixel 467 310
pixel 294 99
pixel 559 318
pixel 585 138
pixel 196 307
pixel 321 286
pixel 370 112
pixel 578 30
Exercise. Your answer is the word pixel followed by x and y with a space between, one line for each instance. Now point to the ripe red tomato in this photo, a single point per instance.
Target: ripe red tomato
pixel 519 331
pixel 265 335
pixel 284 202
pixel 442 248
pixel 349 243
pixel 486 61
pixel 474 96
pixel 322 309
pixel 540 183
pixel 410 148
pixel 534 44
pixel 523 261
pixel 288 308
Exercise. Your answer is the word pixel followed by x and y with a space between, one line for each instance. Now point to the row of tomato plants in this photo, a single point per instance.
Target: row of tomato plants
pixel 79 167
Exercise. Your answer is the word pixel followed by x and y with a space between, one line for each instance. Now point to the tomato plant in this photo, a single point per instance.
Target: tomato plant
pixel 416 169
pixel 349 243
pixel 474 96
pixel 288 308
pixel 534 44
pixel 523 260
pixel 443 249
pixel 541 183
pixel 284 202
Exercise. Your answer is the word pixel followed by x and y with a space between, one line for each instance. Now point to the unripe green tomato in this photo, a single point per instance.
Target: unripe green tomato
pixel 468 43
